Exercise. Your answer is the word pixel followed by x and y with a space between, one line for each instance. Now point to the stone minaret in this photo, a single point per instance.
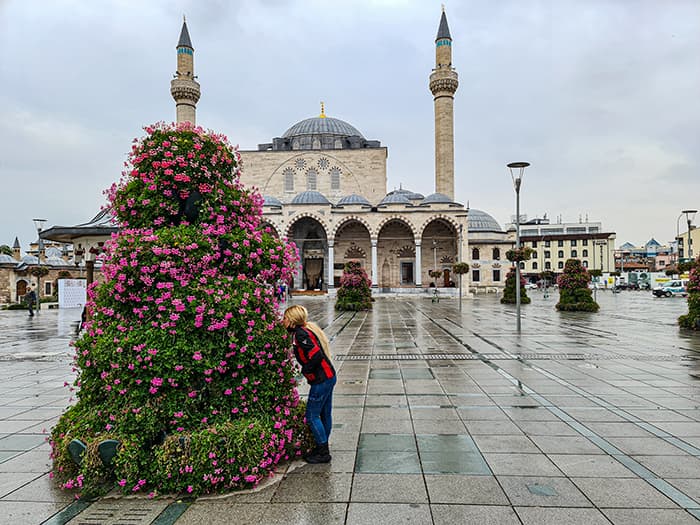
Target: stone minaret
pixel 184 88
pixel 443 84
pixel 16 250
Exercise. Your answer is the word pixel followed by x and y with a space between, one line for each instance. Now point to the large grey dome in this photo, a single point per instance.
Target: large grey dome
pixel 322 126
pixel 434 198
pixel 30 259
pixel 353 199
pixel 56 261
pixel 480 221
pixel 310 197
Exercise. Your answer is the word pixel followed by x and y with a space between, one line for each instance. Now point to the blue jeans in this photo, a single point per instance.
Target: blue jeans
pixel 318 410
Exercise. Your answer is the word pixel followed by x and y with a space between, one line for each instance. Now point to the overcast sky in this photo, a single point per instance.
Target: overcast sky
pixel 600 96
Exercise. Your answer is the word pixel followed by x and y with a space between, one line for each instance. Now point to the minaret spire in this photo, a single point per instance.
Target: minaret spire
pixel 184 88
pixel 443 84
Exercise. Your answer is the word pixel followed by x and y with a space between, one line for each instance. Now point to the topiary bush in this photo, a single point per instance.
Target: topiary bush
pixel 183 361
pixel 692 318
pixel 509 290
pixel 574 294
pixel 354 292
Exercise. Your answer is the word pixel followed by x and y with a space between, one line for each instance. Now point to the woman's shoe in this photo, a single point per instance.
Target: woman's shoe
pixel 320 454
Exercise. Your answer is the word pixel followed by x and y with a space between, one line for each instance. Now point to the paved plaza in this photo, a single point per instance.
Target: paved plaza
pixel 440 417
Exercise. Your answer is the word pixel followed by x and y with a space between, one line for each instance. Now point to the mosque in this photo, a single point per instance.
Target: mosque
pixel 325 189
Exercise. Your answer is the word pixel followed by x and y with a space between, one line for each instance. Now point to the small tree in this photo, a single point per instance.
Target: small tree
pixel 574 294
pixel 692 318
pixel 460 268
pixel 509 291
pixel 354 293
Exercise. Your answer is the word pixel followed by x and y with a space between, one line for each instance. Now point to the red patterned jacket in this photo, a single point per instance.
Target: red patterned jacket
pixel 315 365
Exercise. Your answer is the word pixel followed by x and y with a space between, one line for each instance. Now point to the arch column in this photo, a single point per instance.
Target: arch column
pixel 374 262
pixel 419 264
pixel 331 251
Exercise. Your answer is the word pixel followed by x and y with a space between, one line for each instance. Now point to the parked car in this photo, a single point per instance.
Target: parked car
pixel 676 287
pixel 531 286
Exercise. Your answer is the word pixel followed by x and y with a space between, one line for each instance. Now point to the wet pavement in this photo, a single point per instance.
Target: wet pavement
pixel 439 418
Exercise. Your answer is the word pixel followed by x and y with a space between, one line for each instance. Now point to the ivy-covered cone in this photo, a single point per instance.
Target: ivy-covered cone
pixel 574 294
pixel 183 360
pixel 509 290
pixel 354 293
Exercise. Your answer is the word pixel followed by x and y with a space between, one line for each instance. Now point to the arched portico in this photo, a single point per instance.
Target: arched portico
pixel 311 240
pixel 396 244
pixel 352 243
pixel 439 251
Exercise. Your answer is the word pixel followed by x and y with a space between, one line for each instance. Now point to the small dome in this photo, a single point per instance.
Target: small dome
pixel 271 201
pixel 480 221
pixel 310 197
pixel 4 258
pixel 395 198
pixel 322 126
pixel 353 199
pixel 53 252
pixel 437 198
pixel 30 259
pixel 411 195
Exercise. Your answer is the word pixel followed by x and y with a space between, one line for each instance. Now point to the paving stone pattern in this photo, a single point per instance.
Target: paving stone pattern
pixel 440 417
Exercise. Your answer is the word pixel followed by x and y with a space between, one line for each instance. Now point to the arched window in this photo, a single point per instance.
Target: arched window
pixel 475 254
pixel 311 179
pixel 289 179
pixel 335 178
pixel 584 253
pixel 547 265
pixel 560 254
pixel 496 254
pixel 534 265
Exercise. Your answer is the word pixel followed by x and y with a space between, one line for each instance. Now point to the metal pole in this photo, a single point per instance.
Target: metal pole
pixel 678 234
pixel 595 287
pixel 690 249
pixel 517 246
pixel 459 257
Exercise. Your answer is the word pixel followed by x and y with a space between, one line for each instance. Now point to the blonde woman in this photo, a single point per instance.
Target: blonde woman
pixel 311 349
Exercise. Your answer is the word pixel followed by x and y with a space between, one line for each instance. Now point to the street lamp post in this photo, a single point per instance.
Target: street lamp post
pixel 517 170
pixel 459 257
pixel 39 223
pixel 689 214
pixel 435 268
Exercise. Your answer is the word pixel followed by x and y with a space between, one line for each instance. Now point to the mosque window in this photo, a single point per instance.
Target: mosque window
pixel 323 163
pixel 475 254
pixel 300 163
pixel 496 276
pixel 496 254
pixel 338 144
pixel 327 142
pixel 311 179
pixel 288 179
pixel 476 276
pixel 295 144
pixel 335 178
pixel 316 144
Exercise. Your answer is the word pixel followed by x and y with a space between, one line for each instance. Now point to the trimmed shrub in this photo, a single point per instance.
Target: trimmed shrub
pixel 354 292
pixel 509 290
pixel 183 360
pixel 691 320
pixel 574 294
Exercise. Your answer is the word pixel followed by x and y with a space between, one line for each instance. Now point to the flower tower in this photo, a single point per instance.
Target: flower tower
pixel 574 294
pixel 692 318
pixel 509 290
pixel 184 377
pixel 354 292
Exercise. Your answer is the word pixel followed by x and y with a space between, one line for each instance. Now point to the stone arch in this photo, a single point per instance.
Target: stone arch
pixel 311 239
pixel 351 242
pixel 21 287
pixel 303 215
pixel 438 216
pixel 439 248
pixel 347 218
pixel 394 217
pixel 398 264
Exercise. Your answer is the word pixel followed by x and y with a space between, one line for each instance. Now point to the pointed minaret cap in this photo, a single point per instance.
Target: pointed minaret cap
pixel 16 244
pixel 185 35
pixel 443 30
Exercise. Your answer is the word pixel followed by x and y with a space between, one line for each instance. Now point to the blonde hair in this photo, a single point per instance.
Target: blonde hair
pixel 297 315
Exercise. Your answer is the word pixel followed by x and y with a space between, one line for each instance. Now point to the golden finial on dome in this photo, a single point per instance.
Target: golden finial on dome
pixel 323 110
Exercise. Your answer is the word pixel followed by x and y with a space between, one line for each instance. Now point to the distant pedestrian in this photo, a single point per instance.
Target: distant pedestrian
pixel 30 299
pixel 311 349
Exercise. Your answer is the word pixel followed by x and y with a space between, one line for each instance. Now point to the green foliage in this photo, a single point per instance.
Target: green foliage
pixel 509 291
pixel 595 273
pixel 519 254
pixel 354 293
pixel 5 250
pixel 574 294
pixel 460 268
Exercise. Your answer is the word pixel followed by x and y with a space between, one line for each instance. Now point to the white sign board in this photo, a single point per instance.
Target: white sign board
pixel 72 293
